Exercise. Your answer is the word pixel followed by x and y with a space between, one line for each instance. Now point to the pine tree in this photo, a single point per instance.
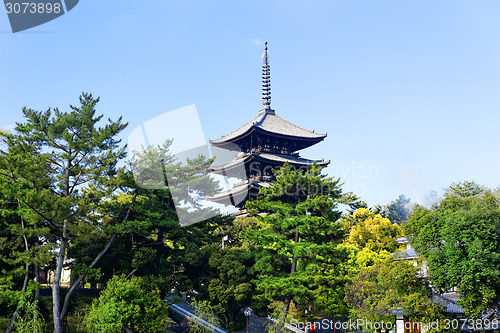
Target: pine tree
pixel 59 166
pixel 297 236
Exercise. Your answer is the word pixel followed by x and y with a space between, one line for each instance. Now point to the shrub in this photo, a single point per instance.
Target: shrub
pixel 126 303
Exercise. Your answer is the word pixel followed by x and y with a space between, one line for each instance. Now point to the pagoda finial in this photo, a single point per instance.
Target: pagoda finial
pixel 266 80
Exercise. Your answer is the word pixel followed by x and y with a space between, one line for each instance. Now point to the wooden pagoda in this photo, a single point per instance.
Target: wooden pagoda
pixel 266 142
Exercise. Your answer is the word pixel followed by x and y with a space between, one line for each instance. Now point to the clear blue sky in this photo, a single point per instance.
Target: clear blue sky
pixel 408 91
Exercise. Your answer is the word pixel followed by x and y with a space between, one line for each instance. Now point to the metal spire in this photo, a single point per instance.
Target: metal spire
pixel 266 80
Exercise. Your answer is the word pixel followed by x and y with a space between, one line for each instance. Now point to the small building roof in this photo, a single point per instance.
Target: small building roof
pixel 448 304
pixel 402 240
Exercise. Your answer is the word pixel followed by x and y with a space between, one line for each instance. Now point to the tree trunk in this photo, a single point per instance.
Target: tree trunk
pixel 64 311
pixel 56 285
pixel 37 295
pixel 288 299
pixel 76 283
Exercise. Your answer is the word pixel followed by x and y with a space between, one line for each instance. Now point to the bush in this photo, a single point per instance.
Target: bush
pixel 29 319
pixel 126 303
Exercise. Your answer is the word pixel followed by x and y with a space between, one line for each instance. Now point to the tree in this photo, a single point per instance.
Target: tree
pixel 79 159
pixel 151 241
pixel 465 189
pixel 496 193
pixel 203 311
pixel 297 237
pixel 459 240
pixel 373 231
pixel 230 287
pixel 23 245
pixel 392 285
pixel 130 304
pixel 398 210
pixel 224 277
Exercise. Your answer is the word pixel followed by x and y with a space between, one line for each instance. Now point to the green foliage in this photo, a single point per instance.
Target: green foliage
pixel 151 241
pixel 204 311
pixel 58 167
pixel 465 189
pixel 377 291
pixel 126 303
pixel 296 240
pixel 372 231
pixel 230 286
pixel 398 210
pixel 29 319
pixel 459 239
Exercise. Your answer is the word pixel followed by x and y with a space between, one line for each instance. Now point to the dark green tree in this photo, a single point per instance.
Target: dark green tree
pixel 151 242
pixel 296 240
pixel 398 210
pixel 459 240
pixel 465 189
pixel 230 287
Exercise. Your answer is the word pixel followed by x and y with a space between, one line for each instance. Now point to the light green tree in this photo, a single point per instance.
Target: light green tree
pixel 372 231
pixel 127 304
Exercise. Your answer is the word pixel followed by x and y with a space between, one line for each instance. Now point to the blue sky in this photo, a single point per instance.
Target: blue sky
pixel 408 92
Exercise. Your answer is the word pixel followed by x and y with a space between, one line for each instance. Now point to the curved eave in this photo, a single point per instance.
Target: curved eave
pixel 219 142
pixel 238 195
pixel 266 158
pixel 268 123
pixel 238 162
pixel 301 142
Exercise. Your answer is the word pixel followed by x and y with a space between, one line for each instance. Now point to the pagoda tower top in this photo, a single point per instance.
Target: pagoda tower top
pixel 266 80
pixel 264 144
pixel 267 131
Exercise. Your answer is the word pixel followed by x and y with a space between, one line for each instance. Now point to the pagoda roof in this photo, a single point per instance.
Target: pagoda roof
pixel 294 160
pixel 268 122
pixel 238 194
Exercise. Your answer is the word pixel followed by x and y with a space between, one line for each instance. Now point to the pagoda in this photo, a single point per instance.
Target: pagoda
pixel 266 142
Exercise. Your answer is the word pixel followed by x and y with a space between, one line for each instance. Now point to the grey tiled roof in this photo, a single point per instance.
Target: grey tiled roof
pixel 406 254
pixel 292 159
pixel 238 189
pixel 449 305
pixel 270 122
pixel 271 157
pixel 402 240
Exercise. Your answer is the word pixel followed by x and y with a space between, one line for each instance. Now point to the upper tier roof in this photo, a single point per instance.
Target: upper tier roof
pixel 277 158
pixel 269 122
